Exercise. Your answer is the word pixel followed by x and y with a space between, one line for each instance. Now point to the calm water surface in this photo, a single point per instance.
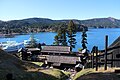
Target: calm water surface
pixel 95 37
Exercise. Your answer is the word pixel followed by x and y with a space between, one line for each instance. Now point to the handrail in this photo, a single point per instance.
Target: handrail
pixel 116 47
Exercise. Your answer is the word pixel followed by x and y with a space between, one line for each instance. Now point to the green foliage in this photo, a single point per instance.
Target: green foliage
pixel 84 38
pixel 56 39
pixel 34 24
pixel 60 38
pixel 38 63
pixel 71 31
pixel 41 24
pixel 71 27
pixel 79 49
pixel 83 72
pixel 33 42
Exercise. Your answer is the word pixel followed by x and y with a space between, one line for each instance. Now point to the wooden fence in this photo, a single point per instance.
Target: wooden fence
pixel 96 57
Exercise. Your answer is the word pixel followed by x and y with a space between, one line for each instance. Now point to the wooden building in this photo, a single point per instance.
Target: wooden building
pixel 60 56
pixel 115 53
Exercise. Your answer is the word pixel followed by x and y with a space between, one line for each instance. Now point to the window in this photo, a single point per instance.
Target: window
pixel 117 55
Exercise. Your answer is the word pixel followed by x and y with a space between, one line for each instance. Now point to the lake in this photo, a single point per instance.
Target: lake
pixel 95 37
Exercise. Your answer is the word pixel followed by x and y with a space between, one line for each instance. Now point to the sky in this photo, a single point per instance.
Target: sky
pixel 59 9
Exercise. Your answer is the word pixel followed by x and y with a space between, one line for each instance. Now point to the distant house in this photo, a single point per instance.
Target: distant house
pixel 115 52
pixel 60 56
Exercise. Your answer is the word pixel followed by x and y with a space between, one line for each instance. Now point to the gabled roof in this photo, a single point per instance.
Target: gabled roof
pixel 56 49
pixel 116 42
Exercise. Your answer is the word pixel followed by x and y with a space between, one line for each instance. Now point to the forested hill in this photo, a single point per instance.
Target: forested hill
pixel 44 24
pixel 102 23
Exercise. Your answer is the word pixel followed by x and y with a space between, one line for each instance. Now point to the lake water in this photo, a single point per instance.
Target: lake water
pixel 96 37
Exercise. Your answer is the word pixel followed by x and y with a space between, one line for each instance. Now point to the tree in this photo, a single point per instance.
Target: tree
pixel 71 31
pixel 56 39
pixel 33 42
pixel 84 38
pixel 84 47
pixel 60 38
pixel 64 38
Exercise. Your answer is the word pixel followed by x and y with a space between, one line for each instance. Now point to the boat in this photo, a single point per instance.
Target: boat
pixel 11 46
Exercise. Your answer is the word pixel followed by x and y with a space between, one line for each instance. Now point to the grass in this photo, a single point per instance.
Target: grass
pixel 38 63
pixel 66 73
pixel 101 72
pixel 23 70
pixel 56 73
pixel 83 72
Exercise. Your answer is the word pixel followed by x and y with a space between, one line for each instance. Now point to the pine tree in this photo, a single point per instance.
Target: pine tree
pixel 64 38
pixel 71 31
pixel 33 42
pixel 56 40
pixel 84 38
pixel 60 38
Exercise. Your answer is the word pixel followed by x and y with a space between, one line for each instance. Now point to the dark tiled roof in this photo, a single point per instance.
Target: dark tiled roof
pixel 56 49
pixel 63 59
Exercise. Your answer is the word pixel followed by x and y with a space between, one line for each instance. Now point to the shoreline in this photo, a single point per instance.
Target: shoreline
pixel 15 34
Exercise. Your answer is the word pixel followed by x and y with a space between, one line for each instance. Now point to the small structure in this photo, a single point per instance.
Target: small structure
pixel 29 53
pixel 60 56
pixel 34 53
pixel 57 56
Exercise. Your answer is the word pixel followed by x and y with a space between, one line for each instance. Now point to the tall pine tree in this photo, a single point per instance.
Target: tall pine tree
pixel 56 39
pixel 33 42
pixel 71 31
pixel 84 38
pixel 60 38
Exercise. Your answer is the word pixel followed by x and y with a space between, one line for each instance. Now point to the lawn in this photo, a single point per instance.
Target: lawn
pixel 101 74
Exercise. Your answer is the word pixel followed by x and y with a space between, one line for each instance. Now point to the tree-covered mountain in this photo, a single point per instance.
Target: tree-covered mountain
pixel 44 24
pixel 102 23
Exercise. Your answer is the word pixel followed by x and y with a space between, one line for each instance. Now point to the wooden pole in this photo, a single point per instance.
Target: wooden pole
pixel 112 60
pixel 93 60
pixel 106 45
pixel 96 51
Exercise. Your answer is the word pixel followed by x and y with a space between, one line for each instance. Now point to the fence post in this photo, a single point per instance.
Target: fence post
pixel 96 51
pixel 112 60
pixel 106 45
pixel 93 60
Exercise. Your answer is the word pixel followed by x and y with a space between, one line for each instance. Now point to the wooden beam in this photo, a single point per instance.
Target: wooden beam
pixel 106 45
pixel 113 59
pixel 102 63
pixel 111 48
pixel 93 60
pixel 96 51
